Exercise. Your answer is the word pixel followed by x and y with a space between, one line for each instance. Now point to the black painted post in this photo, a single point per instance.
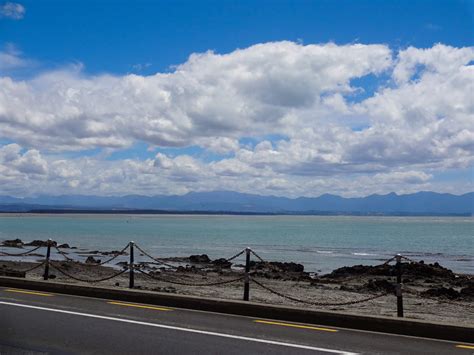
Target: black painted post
pixel 399 286
pixel 247 275
pixel 132 276
pixel 48 255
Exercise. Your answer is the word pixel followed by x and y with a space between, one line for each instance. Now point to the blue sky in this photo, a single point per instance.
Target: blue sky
pixel 113 36
pixel 70 65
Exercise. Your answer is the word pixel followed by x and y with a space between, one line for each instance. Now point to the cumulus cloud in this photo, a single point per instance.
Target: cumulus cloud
pixel 247 92
pixel 177 175
pixel 12 10
pixel 418 124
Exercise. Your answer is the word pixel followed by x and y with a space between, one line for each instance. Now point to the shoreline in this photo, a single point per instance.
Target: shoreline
pixel 344 285
pixel 171 213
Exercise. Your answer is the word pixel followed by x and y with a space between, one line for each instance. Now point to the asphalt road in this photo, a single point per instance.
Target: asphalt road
pixel 38 322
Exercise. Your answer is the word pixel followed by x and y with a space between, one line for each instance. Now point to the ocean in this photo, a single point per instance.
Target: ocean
pixel 320 243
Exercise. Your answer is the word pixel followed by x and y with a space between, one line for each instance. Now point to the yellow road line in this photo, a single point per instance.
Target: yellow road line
pixel 471 347
pixel 30 292
pixel 140 306
pixel 296 326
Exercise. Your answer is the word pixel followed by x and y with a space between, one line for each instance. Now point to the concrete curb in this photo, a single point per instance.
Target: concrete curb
pixel 284 313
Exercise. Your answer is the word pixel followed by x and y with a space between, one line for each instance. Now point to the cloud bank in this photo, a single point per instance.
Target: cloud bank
pixel 277 118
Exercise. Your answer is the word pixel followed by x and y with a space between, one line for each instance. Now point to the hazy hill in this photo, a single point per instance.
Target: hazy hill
pixel 417 203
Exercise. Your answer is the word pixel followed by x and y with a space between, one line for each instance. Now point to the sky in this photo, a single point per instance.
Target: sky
pixel 285 98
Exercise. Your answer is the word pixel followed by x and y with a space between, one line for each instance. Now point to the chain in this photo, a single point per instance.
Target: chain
pixel 318 303
pixel 269 264
pixel 35 267
pixel 236 255
pixel 387 262
pixel 64 255
pixel 2 253
pixel 258 257
pixel 155 259
pixel 85 280
pixel 356 277
pixel 189 283
pixel 410 260
pixel 98 264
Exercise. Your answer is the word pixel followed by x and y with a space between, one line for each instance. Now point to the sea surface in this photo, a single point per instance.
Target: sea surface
pixel 320 243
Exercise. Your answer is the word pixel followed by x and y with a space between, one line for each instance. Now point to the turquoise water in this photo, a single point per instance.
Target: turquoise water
pixel 320 243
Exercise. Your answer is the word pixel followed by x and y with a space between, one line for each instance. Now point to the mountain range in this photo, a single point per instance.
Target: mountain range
pixel 420 203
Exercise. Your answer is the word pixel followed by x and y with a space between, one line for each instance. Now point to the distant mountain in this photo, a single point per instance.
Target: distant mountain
pixel 431 203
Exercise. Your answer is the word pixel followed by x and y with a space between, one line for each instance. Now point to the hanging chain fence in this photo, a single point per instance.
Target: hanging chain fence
pixel 189 283
pixel 116 255
pixel 65 273
pixel 3 253
pixel 319 304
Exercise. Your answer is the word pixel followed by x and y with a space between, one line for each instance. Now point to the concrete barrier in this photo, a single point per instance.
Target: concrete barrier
pixel 284 313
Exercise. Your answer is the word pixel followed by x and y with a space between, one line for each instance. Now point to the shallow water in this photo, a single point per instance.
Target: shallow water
pixel 321 243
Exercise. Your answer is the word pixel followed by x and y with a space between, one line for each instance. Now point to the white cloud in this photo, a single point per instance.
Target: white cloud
pixel 418 125
pixel 12 10
pixel 251 91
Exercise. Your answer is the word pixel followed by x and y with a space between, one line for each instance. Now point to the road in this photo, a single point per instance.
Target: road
pixel 34 322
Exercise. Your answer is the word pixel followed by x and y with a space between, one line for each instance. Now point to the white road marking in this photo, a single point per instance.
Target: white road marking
pixel 189 330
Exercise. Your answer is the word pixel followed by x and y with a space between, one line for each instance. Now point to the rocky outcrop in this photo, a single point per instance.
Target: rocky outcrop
pixel 200 259
pixel 279 270
pixel 468 292
pixel 114 252
pixel 412 270
pixel 41 243
pixel 222 263
pixel 90 260
pixel 277 266
pixel 13 243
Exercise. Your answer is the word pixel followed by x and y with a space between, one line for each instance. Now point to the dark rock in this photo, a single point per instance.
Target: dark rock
pixel 347 271
pixel 113 252
pixel 277 266
pixel 442 292
pixel 380 285
pixel 223 263
pixel 203 258
pixel 64 246
pixel 52 276
pixel 13 243
pixel 413 270
pixel 467 292
pixel 91 260
pixel 41 243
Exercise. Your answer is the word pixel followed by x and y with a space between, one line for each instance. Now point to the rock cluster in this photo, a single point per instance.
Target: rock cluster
pixel 18 243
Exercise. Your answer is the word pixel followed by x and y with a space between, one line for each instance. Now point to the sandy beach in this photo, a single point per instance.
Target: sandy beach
pixel 431 292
